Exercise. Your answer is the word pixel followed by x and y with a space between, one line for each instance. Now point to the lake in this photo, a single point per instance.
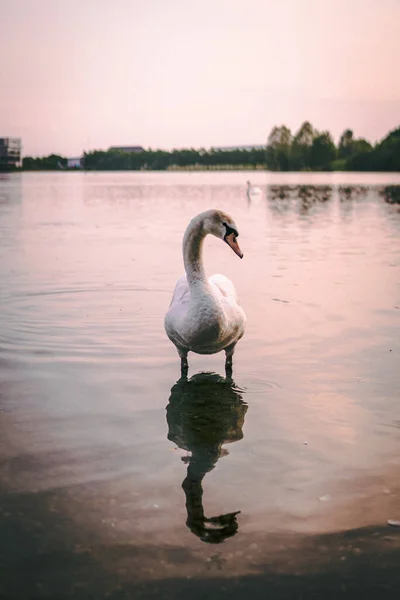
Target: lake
pixel 98 432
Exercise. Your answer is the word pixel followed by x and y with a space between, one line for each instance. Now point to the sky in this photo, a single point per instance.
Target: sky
pixel 79 75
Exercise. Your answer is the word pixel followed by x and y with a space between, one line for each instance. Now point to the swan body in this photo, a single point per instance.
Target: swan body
pixel 204 315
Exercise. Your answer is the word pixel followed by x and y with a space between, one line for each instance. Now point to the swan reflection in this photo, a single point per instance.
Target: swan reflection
pixel 205 412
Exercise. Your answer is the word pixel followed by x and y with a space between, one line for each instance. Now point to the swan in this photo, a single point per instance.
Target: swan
pixel 252 190
pixel 204 315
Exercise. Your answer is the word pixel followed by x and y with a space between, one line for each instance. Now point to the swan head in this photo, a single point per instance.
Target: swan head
pixel 222 226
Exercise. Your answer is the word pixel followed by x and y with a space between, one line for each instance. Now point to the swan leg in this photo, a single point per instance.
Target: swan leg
pixel 184 367
pixel 229 352
pixel 184 361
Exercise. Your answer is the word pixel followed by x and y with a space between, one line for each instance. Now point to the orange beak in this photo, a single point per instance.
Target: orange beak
pixel 231 240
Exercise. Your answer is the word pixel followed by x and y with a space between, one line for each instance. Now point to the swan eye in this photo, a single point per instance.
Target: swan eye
pixel 230 230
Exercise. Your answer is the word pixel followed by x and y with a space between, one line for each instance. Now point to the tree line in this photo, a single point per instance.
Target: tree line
pixel 312 150
pixel 306 150
pixel 159 160
pixel 46 163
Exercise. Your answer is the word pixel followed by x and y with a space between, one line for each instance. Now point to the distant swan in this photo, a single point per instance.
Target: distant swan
pixel 252 190
pixel 204 315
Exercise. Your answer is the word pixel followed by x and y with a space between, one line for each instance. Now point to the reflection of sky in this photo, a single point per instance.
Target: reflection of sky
pixel 94 261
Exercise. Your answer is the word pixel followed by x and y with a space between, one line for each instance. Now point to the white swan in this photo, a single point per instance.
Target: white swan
pixel 204 315
pixel 252 190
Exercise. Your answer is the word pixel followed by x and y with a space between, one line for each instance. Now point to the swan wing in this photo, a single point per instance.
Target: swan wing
pixel 177 312
pixel 181 293
pixel 235 318
pixel 225 286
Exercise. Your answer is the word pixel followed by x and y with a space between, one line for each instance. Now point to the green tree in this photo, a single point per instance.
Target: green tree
pixel 346 144
pixel 361 146
pixel 45 163
pixel 301 147
pixel 307 150
pixel 278 149
pixel 28 163
pixel 386 154
pixel 323 152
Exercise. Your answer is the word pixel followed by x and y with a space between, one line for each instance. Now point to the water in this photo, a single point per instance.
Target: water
pixel 98 435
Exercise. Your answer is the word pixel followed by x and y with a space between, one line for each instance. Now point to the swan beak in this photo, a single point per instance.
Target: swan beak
pixel 231 240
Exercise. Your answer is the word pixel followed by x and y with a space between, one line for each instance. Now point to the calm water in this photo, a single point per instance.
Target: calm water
pixel 98 435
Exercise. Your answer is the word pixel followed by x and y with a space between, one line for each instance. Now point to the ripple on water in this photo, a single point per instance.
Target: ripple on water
pixel 263 386
pixel 101 324
pixel 86 371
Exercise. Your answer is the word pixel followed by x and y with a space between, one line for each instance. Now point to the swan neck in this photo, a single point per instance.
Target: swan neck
pixel 193 254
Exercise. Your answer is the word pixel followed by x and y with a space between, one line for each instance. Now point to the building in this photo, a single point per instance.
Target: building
pixel 10 153
pixel 126 149
pixel 74 163
pixel 234 148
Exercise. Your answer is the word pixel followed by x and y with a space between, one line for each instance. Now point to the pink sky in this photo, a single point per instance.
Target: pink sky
pixel 84 74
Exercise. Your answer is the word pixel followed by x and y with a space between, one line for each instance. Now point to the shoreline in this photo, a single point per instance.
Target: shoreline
pixel 194 170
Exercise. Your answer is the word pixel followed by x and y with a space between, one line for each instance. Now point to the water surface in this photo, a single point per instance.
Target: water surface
pixel 98 433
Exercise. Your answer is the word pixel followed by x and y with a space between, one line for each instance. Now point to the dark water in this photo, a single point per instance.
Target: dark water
pixel 118 479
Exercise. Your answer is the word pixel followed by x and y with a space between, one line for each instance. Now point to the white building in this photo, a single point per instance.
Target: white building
pixel 74 163
pixel 10 153
pixel 233 148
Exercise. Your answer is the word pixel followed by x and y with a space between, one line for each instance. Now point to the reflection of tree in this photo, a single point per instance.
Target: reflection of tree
pixel 10 189
pixel 316 193
pixel 280 196
pixel 279 192
pixel 391 194
pixel 204 413
pixel 351 192
pixel 310 195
